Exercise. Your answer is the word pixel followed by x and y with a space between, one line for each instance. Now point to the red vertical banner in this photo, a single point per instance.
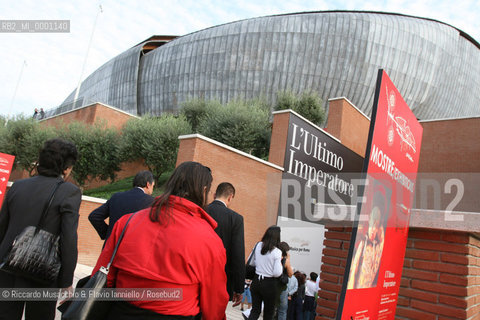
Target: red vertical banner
pixel 6 163
pixel 379 237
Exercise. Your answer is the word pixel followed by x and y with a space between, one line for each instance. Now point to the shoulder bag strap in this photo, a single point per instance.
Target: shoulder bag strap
pixel 118 242
pixel 47 206
pixel 252 254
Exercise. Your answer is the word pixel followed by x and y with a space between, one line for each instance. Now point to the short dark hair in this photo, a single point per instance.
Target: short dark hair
pixel 284 247
pixel 313 276
pixel 224 189
pixel 270 239
pixel 56 156
pixel 141 179
pixel 187 181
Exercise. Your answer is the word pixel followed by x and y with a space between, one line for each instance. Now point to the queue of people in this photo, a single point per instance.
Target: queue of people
pixel 177 240
pixel 277 291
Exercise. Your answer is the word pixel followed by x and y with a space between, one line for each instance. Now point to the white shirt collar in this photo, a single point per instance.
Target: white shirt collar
pixel 221 202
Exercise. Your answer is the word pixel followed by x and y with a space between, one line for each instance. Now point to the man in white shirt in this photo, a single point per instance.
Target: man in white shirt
pixel 309 303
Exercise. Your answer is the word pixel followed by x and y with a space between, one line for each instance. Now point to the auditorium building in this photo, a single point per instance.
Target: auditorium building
pixel 435 66
pixel 337 54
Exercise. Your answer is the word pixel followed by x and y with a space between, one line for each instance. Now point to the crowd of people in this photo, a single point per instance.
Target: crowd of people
pixel 293 297
pixel 179 240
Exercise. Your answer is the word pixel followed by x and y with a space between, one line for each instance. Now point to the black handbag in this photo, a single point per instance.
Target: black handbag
pixel 249 269
pixel 91 307
pixel 35 253
pixel 284 277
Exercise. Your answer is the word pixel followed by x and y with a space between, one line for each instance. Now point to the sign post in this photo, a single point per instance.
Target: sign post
pixel 379 237
pixel 319 170
pixel 319 175
pixel 6 163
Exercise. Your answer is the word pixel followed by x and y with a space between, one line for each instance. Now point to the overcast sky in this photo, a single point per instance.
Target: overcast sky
pixel 41 69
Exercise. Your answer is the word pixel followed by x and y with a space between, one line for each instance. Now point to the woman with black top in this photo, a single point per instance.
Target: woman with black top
pixel 268 267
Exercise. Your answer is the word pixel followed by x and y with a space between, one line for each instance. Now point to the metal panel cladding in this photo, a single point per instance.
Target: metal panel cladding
pixel 114 83
pixel 435 66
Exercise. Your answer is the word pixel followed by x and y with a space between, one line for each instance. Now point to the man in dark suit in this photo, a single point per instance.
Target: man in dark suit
pixel 230 230
pixel 122 203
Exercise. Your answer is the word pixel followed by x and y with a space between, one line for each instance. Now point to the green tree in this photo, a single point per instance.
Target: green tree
pixel 241 125
pixel 155 140
pixel 196 111
pixel 308 104
pixel 4 144
pixel 98 148
pixel 285 100
pixel 23 138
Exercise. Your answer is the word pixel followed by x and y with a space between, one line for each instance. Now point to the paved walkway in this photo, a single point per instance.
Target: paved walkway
pixel 82 271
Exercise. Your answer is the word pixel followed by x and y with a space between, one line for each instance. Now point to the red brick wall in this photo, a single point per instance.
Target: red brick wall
pixel 278 142
pixel 89 115
pixel 348 124
pixel 445 140
pixel 441 276
pixel 89 242
pixel 335 252
pixel 440 279
pixel 450 149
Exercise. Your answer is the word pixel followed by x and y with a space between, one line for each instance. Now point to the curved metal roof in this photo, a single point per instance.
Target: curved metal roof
pixel 435 66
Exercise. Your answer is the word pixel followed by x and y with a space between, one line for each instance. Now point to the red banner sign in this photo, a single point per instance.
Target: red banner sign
pixel 6 163
pixel 375 260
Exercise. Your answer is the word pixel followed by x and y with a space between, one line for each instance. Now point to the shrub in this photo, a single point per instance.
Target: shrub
pixel 155 140
pixel 241 125
pixel 23 138
pixel 99 151
pixel 308 104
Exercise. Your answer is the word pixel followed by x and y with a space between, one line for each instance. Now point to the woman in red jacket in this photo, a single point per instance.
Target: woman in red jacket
pixel 172 246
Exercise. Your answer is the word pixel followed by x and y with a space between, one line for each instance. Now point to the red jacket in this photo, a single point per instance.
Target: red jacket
pixel 186 254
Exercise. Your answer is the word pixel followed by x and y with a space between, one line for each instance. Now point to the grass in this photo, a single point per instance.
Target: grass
pixel 105 192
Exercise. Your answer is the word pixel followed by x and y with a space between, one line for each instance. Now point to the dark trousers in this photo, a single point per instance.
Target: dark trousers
pixel 295 307
pixel 34 310
pixel 263 290
pixel 308 308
